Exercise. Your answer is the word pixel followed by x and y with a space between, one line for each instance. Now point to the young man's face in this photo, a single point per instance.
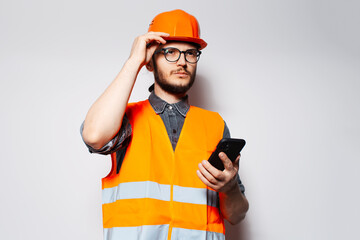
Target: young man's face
pixel 174 77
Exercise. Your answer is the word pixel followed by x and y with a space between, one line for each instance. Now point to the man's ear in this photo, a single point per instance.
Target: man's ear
pixel 150 66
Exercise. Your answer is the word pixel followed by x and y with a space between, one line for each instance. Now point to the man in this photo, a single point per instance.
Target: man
pixel 161 185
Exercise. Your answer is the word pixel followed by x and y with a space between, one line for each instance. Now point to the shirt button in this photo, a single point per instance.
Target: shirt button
pixel 170 107
pixel 174 130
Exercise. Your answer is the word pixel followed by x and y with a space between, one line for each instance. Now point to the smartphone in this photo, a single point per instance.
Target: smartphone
pixel 231 147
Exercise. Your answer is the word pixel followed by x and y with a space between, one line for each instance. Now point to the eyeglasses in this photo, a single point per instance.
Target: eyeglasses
pixel 173 54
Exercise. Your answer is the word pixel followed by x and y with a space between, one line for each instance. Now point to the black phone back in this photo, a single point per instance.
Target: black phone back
pixel 231 147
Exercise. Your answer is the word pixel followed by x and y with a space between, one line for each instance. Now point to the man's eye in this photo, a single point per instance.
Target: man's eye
pixel 170 51
pixel 191 53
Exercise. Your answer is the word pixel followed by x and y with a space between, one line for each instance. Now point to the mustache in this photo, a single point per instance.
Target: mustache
pixel 180 70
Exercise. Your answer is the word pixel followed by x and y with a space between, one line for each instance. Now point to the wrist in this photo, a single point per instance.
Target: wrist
pixel 232 189
pixel 134 63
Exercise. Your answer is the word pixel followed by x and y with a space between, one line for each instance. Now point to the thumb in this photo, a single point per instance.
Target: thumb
pixel 226 161
pixel 150 50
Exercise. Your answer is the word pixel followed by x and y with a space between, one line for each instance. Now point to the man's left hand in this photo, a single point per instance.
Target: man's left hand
pixel 221 181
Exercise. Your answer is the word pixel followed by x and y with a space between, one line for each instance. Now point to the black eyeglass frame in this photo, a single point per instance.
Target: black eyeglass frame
pixel 163 50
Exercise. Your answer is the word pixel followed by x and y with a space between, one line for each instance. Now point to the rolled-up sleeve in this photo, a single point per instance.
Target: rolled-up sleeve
pixel 117 142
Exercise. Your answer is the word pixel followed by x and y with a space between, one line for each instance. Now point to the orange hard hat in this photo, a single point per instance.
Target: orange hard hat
pixel 180 25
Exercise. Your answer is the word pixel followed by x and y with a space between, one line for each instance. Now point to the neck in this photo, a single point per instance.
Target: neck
pixel 167 97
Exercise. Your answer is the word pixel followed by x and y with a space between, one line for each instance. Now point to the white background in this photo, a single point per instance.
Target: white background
pixel 283 73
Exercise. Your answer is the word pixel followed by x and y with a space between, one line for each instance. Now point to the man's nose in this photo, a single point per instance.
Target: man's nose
pixel 182 60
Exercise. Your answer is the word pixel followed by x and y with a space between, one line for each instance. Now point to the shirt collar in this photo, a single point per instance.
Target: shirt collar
pixel 159 105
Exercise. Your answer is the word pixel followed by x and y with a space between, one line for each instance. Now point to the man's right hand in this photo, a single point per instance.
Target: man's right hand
pixel 145 45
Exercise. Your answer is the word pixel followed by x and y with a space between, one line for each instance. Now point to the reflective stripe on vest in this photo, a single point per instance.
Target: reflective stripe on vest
pixel 157 191
pixel 190 234
pixel 146 232
pixel 159 232
pixel 131 190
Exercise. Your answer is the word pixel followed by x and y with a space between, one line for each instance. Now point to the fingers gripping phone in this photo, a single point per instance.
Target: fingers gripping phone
pixel 231 147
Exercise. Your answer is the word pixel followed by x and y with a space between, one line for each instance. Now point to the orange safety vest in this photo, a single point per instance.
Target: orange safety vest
pixel 157 194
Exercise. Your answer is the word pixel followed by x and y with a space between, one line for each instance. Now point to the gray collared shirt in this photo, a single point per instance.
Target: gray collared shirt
pixel 173 116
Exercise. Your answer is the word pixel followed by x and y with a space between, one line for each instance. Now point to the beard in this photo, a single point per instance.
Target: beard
pixel 173 88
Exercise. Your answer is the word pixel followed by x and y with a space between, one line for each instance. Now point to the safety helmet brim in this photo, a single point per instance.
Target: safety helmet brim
pixel 202 44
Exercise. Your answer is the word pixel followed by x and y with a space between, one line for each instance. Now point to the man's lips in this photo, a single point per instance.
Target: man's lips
pixel 181 73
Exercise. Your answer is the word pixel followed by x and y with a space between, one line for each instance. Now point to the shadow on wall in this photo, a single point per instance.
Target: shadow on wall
pixel 202 95
pixel 236 232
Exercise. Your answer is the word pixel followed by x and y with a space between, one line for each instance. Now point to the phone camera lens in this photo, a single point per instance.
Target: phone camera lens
pixel 226 147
